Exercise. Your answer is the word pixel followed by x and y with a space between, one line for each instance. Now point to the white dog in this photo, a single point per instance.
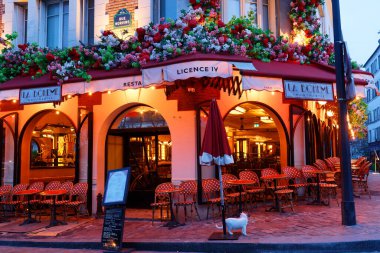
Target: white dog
pixel 237 223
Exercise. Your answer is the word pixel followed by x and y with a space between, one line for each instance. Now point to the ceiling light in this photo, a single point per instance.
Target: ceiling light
pixel 266 119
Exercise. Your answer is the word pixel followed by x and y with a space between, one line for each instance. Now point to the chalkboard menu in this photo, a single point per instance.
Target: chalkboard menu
pixel 113 226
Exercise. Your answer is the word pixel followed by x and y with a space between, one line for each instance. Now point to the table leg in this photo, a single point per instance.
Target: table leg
pixel 276 206
pixel 173 221
pixel 53 217
pixel 240 202
pixel 29 220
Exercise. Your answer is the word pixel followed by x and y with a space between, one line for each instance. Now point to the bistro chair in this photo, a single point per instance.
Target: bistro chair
pixel 5 193
pixel 161 200
pixel 231 193
pixel 62 200
pixel 13 202
pixel 52 185
pixel 77 201
pixel 296 179
pixel 311 179
pixel 38 185
pixel 211 193
pixel 187 198
pixel 361 181
pixel 254 191
pixel 329 191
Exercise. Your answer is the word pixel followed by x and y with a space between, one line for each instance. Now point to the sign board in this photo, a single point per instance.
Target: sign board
pixel 116 189
pixel 308 90
pixel 197 69
pixel 40 95
pixel 113 227
pixel 122 18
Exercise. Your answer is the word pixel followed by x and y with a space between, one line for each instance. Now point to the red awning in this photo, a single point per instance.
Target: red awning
pixel 44 81
pixel 313 72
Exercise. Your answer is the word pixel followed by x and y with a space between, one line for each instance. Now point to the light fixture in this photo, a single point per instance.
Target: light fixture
pixel 256 125
pixel 266 119
pixel 69 96
pixel 300 38
pixel 238 110
pixel 329 113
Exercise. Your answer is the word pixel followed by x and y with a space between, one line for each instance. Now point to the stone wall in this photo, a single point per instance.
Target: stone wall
pixel 113 6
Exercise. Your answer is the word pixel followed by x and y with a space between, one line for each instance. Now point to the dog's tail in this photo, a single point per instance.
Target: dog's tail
pixel 216 225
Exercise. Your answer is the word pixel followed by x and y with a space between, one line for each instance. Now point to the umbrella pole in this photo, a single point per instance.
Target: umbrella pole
pixel 222 200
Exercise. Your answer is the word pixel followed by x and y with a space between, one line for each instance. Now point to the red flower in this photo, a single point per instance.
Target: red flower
pixel 157 37
pixel 162 27
pixel 73 54
pixel 144 57
pixel 140 33
pixel 265 42
pixel 186 30
pixel 97 64
pixel 50 57
pixel 23 46
pixel 221 24
pixel 107 32
pixel 192 23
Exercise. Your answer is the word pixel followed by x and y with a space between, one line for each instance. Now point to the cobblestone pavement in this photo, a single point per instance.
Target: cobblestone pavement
pixel 308 224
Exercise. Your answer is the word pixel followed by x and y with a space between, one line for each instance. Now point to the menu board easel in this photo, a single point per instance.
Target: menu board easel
pixel 115 198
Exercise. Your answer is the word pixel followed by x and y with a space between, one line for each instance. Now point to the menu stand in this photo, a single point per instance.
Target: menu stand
pixel 114 201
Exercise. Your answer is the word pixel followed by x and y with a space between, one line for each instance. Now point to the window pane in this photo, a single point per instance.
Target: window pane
pixel 65 28
pixel 53 9
pixel 52 25
pixel 90 22
pixel 233 9
pixel 251 6
pixel 156 11
pixel 265 25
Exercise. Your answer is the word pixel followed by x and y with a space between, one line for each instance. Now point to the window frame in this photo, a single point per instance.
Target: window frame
pixel 23 27
pixel 60 21
pixel 259 12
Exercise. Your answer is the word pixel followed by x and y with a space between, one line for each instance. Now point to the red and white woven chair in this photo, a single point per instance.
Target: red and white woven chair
pixel 254 191
pixel 211 193
pixel 296 179
pixel 77 201
pixel 13 202
pixel 161 200
pixel 187 198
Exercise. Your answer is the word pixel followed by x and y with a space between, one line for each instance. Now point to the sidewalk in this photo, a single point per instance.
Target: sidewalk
pixel 309 228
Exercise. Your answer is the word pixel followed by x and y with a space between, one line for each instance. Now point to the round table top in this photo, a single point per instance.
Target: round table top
pixel 272 177
pixel 321 171
pixel 53 192
pixel 27 192
pixel 241 182
pixel 170 190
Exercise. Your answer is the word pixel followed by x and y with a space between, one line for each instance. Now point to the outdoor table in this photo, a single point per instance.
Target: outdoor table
pixel 3 218
pixel 274 178
pixel 173 220
pixel 318 201
pixel 28 193
pixel 54 194
pixel 240 183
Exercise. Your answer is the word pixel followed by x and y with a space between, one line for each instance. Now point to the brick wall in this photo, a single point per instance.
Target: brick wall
pixel 2 11
pixel 113 6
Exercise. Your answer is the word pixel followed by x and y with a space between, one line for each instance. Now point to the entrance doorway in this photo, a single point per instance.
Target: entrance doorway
pixel 140 138
pixel 253 137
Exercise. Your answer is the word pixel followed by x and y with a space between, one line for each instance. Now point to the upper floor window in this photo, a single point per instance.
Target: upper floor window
pixel 88 20
pixel 374 66
pixel 167 9
pixel 260 9
pixel 57 24
pixel 20 22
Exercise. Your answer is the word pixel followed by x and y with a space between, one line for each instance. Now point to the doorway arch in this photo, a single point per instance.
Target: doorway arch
pixel 48 148
pixel 139 137
pixel 257 135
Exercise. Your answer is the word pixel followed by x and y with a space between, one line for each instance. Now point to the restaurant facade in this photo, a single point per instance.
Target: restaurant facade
pixel 152 118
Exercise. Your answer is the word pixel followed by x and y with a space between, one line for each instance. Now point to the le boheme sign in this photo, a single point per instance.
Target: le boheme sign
pixel 40 95
pixel 122 18
pixel 197 69
pixel 308 90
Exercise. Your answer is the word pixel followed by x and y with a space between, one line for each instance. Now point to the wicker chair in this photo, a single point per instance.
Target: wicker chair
pixel 254 191
pixel 187 198
pixel 211 192
pixel 161 200
pixel 13 202
pixel 78 200
pixel 361 181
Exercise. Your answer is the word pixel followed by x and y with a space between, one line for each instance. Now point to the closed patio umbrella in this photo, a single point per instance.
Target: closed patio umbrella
pixel 215 150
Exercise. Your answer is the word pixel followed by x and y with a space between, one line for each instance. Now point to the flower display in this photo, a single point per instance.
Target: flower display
pixel 197 30
pixel 357 111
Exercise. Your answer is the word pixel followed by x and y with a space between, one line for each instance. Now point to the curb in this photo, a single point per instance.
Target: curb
pixel 358 246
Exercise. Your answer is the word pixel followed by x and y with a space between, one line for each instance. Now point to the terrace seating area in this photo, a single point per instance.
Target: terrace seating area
pixel 38 199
